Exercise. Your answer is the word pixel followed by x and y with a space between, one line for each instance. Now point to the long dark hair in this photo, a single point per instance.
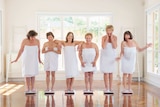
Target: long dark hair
pixel 128 33
pixel 72 36
pixel 31 33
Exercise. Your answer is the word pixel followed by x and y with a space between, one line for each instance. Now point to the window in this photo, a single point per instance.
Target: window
pixel 153 36
pixel 79 24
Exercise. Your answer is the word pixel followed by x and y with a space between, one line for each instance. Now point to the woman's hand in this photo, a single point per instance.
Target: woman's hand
pixel 83 64
pixel 118 58
pixel 149 45
pixel 94 63
pixel 14 61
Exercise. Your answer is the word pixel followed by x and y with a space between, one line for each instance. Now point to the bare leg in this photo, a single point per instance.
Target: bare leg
pixel 110 81
pixel 53 80
pixel 106 80
pixel 90 79
pixel 32 82
pixel 47 79
pixel 28 83
pixel 124 80
pixel 47 102
pixel 129 81
pixel 86 80
pixel 71 84
pixel 67 83
pixel 53 103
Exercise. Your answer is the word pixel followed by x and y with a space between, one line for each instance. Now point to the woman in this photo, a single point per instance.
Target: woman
pixel 51 51
pixel 88 55
pixel 128 56
pixel 30 50
pixel 108 57
pixel 71 66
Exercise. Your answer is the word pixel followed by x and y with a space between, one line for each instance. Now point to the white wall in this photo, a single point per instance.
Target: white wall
pixel 126 13
pixel 148 76
pixel 2 9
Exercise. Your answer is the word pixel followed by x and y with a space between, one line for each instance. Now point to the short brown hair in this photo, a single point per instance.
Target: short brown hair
pixel 49 33
pixel 88 34
pixel 128 33
pixel 109 27
pixel 31 33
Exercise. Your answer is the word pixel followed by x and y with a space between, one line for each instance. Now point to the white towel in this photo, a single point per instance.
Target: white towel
pixel 88 56
pixel 129 60
pixel 30 61
pixel 108 59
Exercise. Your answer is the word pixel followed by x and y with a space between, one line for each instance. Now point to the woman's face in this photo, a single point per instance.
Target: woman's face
pixel 32 38
pixel 88 38
pixel 69 37
pixel 127 37
pixel 109 31
pixel 50 38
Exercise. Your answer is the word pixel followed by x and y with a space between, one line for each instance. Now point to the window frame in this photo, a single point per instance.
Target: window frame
pixel 38 14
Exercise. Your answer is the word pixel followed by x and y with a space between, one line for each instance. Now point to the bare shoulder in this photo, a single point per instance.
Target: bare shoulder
pixel 37 40
pixel 123 43
pixel 94 45
pixel 115 36
pixel 24 41
pixel 104 37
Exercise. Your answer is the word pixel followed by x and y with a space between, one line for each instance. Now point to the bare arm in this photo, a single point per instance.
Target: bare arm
pixel 122 51
pixel 143 48
pixel 97 53
pixel 20 51
pixel 80 56
pixel 114 42
pixel 39 56
pixel 104 41
pixel 43 49
pixel 78 42
pixel 59 42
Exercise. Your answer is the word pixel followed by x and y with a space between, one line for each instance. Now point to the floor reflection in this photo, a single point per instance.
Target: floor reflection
pixel 108 101
pixel 50 101
pixel 88 101
pixel 30 101
pixel 127 101
pixel 144 95
pixel 69 101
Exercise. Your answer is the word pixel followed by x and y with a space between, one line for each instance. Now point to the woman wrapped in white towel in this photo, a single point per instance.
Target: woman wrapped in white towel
pixel 30 50
pixel 129 48
pixel 51 51
pixel 108 57
pixel 88 55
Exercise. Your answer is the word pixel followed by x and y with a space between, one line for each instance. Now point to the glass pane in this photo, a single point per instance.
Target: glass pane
pixel 156 39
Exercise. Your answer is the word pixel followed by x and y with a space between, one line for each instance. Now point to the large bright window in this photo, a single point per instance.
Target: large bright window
pixel 153 36
pixel 79 24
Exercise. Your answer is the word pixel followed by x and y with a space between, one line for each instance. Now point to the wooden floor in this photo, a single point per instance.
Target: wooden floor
pixel 145 95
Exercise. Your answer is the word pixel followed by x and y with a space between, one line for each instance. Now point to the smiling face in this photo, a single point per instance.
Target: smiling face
pixel 50 37
pixel 88 38
pixel 70 37
pixel 127 36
